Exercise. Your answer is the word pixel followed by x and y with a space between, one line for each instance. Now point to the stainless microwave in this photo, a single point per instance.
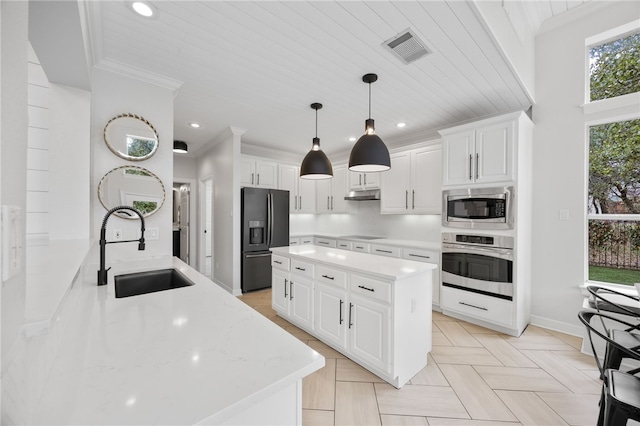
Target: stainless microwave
pixel 478 208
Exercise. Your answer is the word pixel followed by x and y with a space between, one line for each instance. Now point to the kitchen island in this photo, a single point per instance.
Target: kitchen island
pixel 192 355
pixel 375 310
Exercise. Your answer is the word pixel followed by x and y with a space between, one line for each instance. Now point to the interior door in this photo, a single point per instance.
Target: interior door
pixel 184 223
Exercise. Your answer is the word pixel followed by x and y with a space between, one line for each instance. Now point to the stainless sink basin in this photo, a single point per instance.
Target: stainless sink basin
pixel 149 282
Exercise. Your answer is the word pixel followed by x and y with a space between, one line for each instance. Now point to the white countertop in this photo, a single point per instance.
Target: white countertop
pixel 381 266
pixel 427 245
pixel 179 356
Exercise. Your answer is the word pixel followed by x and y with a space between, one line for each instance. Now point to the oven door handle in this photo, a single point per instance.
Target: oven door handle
pixel 502 253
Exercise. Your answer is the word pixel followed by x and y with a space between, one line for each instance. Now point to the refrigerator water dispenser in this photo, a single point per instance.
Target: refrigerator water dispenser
pixel 256 232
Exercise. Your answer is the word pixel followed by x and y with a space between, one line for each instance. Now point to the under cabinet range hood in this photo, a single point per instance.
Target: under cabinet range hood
pixel 363 195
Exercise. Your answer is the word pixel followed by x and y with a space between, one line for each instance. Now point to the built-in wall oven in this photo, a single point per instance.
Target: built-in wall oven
pixel 478 263
pixel 478 208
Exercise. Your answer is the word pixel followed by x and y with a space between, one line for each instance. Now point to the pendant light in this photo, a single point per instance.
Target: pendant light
pixel 180 147
pixel 369 154
pixel 316 165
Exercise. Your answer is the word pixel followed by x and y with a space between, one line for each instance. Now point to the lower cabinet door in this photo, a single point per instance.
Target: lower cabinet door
pixel 369 328
pixel 301 301
pixel 280 291
pixel 330 312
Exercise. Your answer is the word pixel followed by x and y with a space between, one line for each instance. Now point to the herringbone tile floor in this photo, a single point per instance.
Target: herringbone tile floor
pixel 474 377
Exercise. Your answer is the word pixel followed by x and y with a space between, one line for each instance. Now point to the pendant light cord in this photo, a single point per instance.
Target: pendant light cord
pixel 316 123
pixel 369 100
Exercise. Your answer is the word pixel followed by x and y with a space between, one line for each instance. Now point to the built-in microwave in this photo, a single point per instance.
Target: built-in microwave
pixel 478 208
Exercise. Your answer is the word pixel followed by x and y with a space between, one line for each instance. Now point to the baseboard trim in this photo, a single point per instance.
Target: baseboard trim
pixel 560 326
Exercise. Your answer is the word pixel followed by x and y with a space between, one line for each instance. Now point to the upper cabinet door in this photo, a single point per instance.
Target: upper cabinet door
pixel 426 175
pixel 306 195
pixel 395 192
pixel 494 152
pixel 247 172
pixel 323 195
pixel 458 158
pixel 339 190
pixel 288 181
pixel 266 174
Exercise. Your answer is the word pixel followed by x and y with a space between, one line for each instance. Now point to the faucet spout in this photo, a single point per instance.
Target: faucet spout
pixel 102 272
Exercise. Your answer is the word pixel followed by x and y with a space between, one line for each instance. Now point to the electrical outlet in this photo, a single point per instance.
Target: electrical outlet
pixel 117 234
pixel 564 214
pixel 152 234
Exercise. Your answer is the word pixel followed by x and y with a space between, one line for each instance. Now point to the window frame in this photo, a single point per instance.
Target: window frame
pixel 610 110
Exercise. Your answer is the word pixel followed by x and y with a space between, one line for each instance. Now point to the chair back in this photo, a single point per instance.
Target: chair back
pixel 607 299
pixel 586 316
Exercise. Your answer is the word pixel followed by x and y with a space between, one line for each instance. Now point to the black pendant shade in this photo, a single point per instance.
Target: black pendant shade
pixel 369 154
pixel 316 165
pixel 180 147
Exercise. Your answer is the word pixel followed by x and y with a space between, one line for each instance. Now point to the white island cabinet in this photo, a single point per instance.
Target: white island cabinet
pixel 375 310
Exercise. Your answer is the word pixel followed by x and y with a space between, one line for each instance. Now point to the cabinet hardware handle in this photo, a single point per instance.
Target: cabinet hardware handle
pixel 285 288
pixel 477 160
pixel 300 269
pixel 332 202
pixel 327 202
pixel 419 255
pixel 300 202
pixel 277 261
pixel 258 182
pixel 290 290
pixel 341 319
pixel 359 247
pixel 328 277
pixel 251 178
pixel 323 242
pixel 473 306
pixel 295 200
pixel 342 245
pixel 383 251
pixel 350 306
pixel 360 179
pixel 470 161
pixel 406 200
pixel 365 179
pixel 413 198
pixel 366 288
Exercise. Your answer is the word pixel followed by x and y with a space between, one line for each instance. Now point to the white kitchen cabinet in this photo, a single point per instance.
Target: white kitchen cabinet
pixel 307 239
pixel 427 256
pixel 301 300
pixel 326 242
pixel 369 329
pixel 479 153
pixel 380 322
pixel 258 173
pixel 330 192
pixel 364 180
pixel 413 185
pixel 292 290
pixel 280 291
pixel 384 250
pixel 302 192
pixel 361 247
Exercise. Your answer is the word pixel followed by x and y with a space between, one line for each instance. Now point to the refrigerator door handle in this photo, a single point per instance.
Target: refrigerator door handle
pixel 250 256
pixel 270 218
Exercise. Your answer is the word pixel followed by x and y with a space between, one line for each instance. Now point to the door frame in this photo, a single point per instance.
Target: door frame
pixel 202 252
pixel 193 247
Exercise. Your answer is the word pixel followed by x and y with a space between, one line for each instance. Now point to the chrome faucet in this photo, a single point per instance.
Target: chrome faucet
pixel 102 273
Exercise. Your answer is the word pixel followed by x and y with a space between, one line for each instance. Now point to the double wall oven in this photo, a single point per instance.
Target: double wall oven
pixel 478 263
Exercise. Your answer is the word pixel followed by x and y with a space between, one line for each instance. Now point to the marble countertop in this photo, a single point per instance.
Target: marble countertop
pixel 183 356
pixel 389 268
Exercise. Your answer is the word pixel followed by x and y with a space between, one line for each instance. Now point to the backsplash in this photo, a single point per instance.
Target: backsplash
pixel 365 219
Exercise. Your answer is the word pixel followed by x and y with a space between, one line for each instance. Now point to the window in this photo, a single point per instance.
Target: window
pixel 613 195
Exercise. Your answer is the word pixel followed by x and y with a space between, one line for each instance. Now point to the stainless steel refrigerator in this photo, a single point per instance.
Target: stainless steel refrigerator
pixel 265 224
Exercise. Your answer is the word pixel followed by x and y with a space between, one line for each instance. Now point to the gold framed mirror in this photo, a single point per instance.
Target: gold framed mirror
pixel 132 186
pixel 131 137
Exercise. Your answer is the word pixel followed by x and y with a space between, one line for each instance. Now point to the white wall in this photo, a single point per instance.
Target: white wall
pixel 220 162
pixel 184 167
pixel 559 172
pixel 114 94
pixel 13 190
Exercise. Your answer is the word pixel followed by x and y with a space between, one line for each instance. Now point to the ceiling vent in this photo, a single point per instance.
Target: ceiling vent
pixel 407 47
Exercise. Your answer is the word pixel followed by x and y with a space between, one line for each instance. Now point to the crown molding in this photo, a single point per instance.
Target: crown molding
pixel 139 74
pixel 266 152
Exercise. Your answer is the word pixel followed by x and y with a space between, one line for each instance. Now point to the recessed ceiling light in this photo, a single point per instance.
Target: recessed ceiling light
pixel 194 125
pixel 401 125
pixel 352 139
pixel 142 9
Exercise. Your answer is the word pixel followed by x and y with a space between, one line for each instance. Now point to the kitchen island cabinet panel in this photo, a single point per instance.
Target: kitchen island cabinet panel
pixel 375 310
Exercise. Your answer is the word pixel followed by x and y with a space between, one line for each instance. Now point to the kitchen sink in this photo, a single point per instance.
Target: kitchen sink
pixel 149 282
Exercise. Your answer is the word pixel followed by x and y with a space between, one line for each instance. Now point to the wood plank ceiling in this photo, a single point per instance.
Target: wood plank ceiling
pixel 259 65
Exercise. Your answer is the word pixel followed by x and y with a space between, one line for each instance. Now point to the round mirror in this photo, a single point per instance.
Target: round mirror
pixel 131 186
pixel 131 137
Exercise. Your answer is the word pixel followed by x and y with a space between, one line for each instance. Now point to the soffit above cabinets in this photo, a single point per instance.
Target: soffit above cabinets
pixel 258 65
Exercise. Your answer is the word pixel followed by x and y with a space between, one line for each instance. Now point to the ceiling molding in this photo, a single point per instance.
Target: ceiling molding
pixel 261 151
pixel 230 131
pixel 139 74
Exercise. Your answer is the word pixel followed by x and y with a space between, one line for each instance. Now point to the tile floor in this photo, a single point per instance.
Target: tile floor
pixel 474 377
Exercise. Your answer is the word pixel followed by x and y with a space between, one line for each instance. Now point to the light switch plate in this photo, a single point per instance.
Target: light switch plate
pixel 12 241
